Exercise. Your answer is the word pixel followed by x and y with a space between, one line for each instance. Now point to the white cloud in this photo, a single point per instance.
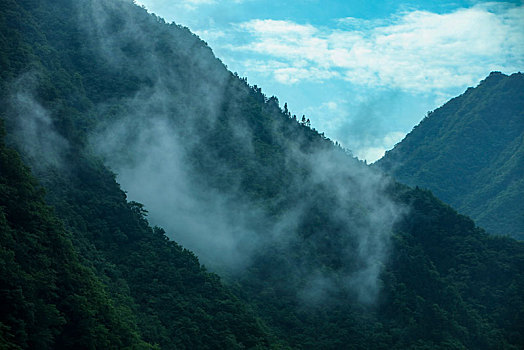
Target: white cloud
pixel 415 51
pixel 193 4
pixel 199 2
pixel 377 151
pixel 287 74
pixel 188 5
pixel 392 138
pixel 370 154
pixel 210 34
pixel 290 75
pixel 270 27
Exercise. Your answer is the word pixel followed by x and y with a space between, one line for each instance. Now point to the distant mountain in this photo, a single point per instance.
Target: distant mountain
pixel 315 250
pixel 470 153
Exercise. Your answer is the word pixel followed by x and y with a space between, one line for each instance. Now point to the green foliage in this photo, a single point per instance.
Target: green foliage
pixel 154 289
pixel 49 299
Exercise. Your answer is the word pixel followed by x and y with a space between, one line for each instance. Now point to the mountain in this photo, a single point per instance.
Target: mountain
pixel 314 249
pixel 49 298
pixel 130 286
pixel 470 153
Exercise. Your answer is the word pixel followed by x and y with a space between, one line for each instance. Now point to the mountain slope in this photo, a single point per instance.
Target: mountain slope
pixel 317 250
pixel 173 300
pixel 49 299
pixel 469 152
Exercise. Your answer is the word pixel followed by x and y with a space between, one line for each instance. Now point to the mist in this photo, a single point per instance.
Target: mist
pixel 33 131
pixel 222 229
pixel 159 142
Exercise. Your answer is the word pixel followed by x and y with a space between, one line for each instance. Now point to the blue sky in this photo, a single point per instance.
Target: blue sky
pixel 364 72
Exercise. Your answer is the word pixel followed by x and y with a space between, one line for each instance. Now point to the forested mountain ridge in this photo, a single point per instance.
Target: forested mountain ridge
pixel 470 153
pixel 164 297
pixel 49 299
pixel 317 250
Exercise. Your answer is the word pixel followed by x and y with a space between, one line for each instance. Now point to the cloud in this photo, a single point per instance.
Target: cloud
pixel 180 2
pixel 271 27
pixel 33 130
pixel 188 5
pixel 417 51
pixel 210 34
pixel 375 149
pixel 286 74
pixel 193 4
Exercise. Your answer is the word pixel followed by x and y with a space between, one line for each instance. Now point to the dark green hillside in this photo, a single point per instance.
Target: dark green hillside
pixel 162 294
pixel 154 288
pixel 446 285
pixel 49 299
pixel 470 153
pixel 324 253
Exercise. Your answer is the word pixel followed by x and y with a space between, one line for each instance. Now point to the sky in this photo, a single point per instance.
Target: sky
pixel 364 72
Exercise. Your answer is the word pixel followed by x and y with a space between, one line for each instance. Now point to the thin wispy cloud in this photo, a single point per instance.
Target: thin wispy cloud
pixel 285 73
pixel 188 5
pixel 415 51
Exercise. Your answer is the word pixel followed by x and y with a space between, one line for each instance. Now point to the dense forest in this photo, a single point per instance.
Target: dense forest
pixel 470 153
pixel 307 247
